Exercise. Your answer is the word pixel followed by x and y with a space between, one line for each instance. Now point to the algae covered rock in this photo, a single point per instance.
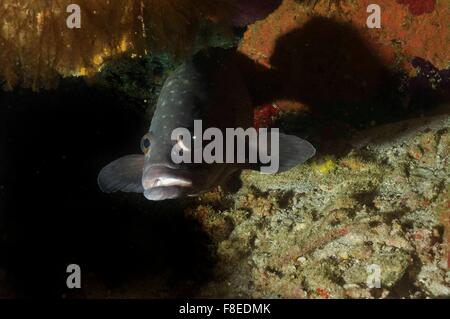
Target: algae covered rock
pixel 319 230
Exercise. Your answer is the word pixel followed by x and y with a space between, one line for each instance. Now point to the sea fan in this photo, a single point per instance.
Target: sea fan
pixel 37 47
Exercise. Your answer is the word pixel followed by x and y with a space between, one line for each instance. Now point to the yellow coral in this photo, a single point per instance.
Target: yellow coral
pixel 325 167
pixel 36 46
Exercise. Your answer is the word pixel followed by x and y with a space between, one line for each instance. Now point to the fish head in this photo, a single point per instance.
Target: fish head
pixel 207 88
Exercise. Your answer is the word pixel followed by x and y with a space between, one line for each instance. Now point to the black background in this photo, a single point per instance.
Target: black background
pixel 52 214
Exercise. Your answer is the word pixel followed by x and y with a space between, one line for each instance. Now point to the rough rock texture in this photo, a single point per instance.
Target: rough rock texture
pixel 329 48
pixel 406 31
pixel 312 232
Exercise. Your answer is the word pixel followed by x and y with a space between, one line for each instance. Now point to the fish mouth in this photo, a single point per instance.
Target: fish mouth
pixel 165 192
pixel 161 183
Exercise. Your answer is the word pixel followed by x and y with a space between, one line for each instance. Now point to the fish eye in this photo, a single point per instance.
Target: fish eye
pixel 146 144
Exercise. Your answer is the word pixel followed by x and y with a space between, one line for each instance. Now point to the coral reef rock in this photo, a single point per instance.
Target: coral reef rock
pixel 314 231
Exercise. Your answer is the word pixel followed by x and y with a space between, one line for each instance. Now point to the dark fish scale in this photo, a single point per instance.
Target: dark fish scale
pixel 179 100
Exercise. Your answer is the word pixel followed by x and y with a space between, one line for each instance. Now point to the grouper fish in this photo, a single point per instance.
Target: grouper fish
pixel 209 88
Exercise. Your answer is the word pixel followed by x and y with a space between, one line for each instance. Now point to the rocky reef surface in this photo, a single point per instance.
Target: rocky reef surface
pixel 314 231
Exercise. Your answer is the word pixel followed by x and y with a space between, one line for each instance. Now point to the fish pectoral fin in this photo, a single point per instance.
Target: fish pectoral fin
pixel 124 174
pixel 293 151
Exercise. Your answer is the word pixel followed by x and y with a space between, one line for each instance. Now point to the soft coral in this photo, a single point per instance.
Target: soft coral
pixel 419 7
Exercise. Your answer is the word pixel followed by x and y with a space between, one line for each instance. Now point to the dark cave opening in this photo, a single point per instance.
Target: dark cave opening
pixel 53 144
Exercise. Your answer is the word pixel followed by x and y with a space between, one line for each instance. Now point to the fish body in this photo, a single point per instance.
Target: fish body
pixel 209 88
